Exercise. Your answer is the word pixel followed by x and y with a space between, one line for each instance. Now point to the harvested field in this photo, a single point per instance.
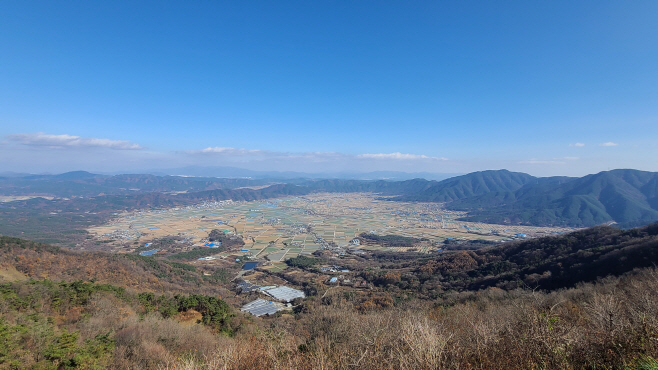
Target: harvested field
pixel 282 228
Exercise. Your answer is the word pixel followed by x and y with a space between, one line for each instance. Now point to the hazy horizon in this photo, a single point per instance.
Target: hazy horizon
pixel 237 172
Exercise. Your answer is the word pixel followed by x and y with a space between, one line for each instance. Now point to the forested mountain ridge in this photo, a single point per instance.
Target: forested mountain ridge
pixel 564 261
pixel 379 186
pixel 470 185
pixel 628 197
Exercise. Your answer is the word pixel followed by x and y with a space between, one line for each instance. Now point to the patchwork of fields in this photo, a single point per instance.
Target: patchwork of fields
pixel 286 227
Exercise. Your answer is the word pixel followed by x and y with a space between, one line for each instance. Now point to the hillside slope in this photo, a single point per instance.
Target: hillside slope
pixel 548 263
pixel 628 197
pixel 41 261
pixel 379 186
pixel 471 185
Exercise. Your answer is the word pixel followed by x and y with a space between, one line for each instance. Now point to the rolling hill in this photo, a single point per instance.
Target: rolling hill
pixel 628 197
pixel 471 185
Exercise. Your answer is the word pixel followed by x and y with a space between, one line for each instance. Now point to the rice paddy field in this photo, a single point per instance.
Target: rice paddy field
pixel 286 227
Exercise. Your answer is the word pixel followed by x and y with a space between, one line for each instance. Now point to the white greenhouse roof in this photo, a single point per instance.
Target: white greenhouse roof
pixel 261 307
pixel 284 293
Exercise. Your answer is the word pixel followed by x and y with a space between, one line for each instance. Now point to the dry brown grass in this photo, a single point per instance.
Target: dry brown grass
pixel 612 325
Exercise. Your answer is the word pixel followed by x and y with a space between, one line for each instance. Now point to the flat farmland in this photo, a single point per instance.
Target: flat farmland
pixel 282 228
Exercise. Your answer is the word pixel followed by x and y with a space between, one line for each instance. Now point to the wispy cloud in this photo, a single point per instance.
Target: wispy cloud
pixel 314 156
pixel 231 151
pixel 579 145
pixel 609 143
pixel 398 155
pixel 70 141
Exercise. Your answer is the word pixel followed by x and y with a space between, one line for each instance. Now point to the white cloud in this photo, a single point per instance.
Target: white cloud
pixel 398 155
pixel 567 159
pixel 70 141
pixel 609 143
pixel 577 145
pixel 241 154
pixel 313 156
pixel 231 151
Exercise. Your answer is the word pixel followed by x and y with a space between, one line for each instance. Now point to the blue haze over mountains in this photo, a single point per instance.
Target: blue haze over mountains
pixel 220 171
pixel 627 197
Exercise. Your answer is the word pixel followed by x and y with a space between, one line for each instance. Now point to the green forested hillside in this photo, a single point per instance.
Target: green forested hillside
pixel 628 197
pixel 471 185
pixel 380 186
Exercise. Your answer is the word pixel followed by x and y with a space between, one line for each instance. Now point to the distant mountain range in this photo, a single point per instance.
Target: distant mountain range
pixel 234 172
pixel 188 179
pixel 85 184
pixel 627 197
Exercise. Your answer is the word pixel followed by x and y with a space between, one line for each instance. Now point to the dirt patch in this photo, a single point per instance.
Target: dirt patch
pixel 189 317
pixel 9 273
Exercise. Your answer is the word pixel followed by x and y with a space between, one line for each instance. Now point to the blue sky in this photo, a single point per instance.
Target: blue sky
pixel 548 88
